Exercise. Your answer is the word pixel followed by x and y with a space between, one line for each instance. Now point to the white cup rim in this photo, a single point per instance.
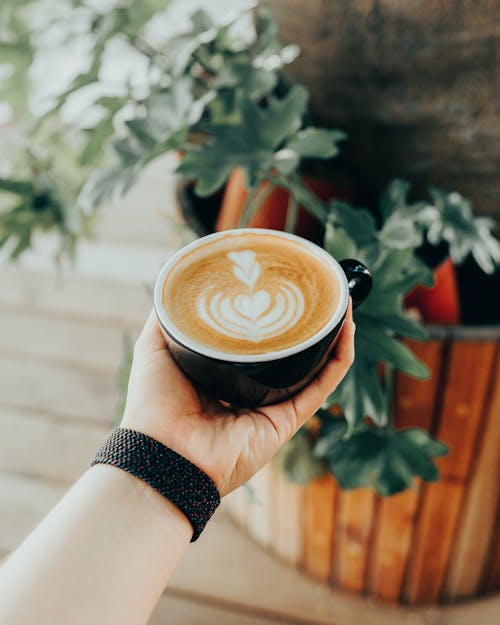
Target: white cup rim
pixel 193 346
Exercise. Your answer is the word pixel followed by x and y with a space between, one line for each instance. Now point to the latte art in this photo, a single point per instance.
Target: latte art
pixel 250 294
pixel 251 314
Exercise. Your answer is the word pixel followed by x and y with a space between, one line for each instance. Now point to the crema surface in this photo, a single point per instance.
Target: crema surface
pixel 250 294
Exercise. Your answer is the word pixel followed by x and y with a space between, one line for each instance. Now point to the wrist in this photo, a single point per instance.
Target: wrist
pixel 173 476
pixel 162 511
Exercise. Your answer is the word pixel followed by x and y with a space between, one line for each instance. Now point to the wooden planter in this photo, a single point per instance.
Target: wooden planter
pixel 435 543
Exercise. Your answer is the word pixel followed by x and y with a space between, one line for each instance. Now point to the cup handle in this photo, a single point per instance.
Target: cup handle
pixel 359 280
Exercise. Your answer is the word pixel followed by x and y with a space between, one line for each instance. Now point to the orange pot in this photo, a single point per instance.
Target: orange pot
pixel 273 212
pixel 439 303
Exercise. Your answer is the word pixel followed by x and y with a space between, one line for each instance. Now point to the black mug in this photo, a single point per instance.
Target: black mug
pixel 258 380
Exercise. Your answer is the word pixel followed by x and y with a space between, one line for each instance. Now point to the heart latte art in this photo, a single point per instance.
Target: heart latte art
pixel 252 314
pixel 250 294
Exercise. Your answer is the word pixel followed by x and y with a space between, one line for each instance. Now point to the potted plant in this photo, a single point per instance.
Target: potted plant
pixel 217 94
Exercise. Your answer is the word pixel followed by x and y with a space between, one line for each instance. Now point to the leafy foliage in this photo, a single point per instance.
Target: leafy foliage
pixel 353 233
pixel 37 204
pixel 164 126
pixel 359 454
pixel 225 95
pixel 266 139
pixel 297 460
pixel 384 458
pixel 464 233
pixel 16 54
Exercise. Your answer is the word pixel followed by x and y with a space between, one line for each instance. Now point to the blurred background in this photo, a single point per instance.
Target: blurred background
pixel 104 173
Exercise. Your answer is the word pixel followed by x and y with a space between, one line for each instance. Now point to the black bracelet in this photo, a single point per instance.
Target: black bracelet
pixel 172 475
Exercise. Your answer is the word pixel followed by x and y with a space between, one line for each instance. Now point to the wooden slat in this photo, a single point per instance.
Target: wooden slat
pixel 414 399
pixel 24 501
pixel 469 373
pixel 57 390
pixel 74 343
pixel 465 386
pixel 73 297
pixel 227 566
pixel 391 544
pixel 414 402
pixel 355 513
pixel 286 517
pixel 33 444
pixel 319 523
pixel 433 541
pixel 258 522
pixel 476 529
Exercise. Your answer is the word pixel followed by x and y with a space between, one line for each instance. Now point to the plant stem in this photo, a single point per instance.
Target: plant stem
pixel 257 197
pixel 292 212
pixel 388 419
pixel 19 187
pixel 303 195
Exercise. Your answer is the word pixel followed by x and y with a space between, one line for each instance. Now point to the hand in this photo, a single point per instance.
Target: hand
pixel 229 444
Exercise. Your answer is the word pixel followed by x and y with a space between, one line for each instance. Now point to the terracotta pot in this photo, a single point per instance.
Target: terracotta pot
pixel 273 211
pixel 434 543
pixel 439 303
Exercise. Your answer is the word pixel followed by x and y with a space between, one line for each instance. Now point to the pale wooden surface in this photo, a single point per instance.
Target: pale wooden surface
pixel 60 344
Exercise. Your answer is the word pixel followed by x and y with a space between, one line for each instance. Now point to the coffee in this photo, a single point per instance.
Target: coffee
pixel 250 293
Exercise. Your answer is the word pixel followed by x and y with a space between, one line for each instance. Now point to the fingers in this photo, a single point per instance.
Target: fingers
pixel 344 350
pixel 308 401
pixel 150 339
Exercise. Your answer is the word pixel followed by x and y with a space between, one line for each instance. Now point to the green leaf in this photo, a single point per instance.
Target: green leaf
pixel 385 459
pixel 167 112
pixel 297 460
pixel 338 243
pixel 18 187
pixel 393 197
pixel 379 346
pixel 168 116
pixel 106 185
pixel 40 206
pixel 397 323
pixel 464 234
pixel 251 145
pixel 360 393
pixel 316 143
pixel 97 139
pixel 357 223
pixel 404 223
pixel 23 237
pixel 280 119
pixel 380 321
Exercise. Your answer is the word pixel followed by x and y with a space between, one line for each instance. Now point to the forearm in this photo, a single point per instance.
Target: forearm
pixel 103 555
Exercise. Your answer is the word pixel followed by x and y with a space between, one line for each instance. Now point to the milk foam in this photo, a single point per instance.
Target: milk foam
pixel 249 313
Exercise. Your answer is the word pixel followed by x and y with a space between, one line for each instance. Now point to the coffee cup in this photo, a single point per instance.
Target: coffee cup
pixel 251 315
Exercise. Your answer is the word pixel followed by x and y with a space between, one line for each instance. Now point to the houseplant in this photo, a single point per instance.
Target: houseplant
pixel 220 96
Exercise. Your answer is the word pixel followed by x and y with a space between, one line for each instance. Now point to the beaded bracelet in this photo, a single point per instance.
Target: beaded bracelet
pixel 172 475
